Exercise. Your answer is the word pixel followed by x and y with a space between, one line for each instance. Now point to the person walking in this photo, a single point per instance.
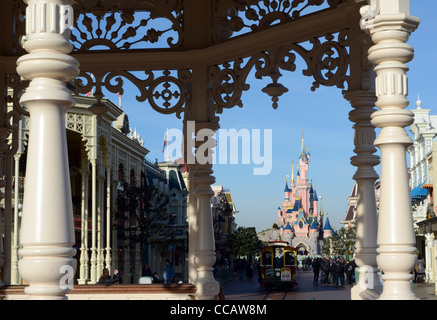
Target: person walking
pixel 334 272
pixel 340 270
pixel 349 269
pixel 325 269
pixel 168 272
pixel 316 270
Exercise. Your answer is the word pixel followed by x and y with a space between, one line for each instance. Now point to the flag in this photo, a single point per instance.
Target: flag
pixel 165 141
pixel 91 93
pixel 119 99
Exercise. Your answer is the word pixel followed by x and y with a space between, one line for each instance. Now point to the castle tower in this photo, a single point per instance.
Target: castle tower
pixel 300 217
pixel 314 237
pixel 327 230
pixel 303 185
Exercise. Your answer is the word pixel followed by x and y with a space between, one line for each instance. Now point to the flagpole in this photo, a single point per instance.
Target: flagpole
pixel 167 158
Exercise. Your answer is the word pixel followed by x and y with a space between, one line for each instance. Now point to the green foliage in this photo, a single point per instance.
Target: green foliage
pixel 245 242
pixel 340 242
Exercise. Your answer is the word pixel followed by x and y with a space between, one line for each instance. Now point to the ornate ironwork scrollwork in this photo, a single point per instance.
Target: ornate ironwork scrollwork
pixel 166 93
pixel 243 16
pixel 114 27
pixel 327 62
pixel 18 87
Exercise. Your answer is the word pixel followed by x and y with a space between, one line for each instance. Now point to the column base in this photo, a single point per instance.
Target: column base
pixel 398 290
pixel 207 289
pixel 369 286
pixel 358 293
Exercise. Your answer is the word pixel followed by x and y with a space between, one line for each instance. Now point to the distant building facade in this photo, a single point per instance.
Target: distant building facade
pixel 350 218
pixel 423 174
pixel 103 152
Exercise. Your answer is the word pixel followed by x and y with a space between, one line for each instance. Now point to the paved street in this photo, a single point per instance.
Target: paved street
pixel 235 289
pixel 246 289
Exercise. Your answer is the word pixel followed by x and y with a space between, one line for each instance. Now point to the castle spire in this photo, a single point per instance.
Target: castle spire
pixel 292 173
pixel 302 148
pixel 287 189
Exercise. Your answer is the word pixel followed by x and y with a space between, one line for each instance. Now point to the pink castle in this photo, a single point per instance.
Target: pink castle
pixel 300 220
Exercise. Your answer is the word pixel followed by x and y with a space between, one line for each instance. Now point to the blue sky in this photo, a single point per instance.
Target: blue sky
pixel 323 117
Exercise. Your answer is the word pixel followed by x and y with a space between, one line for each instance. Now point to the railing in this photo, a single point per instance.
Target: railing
pixel 114 292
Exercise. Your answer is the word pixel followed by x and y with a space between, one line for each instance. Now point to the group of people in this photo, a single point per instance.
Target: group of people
pixel 243 267
pixel 336 272
pixel 168 275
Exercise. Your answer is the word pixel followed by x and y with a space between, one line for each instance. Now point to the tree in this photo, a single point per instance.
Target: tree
pixel 245 242
pixel 145 207
pixel 340 242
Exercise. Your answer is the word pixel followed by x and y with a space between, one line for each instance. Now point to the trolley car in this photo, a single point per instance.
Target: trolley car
pixel 278 263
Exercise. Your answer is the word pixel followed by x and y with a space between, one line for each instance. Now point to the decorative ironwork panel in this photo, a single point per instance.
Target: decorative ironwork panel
pixel 237 17
pixel 166 91
pixel 127 25
pixel 326 61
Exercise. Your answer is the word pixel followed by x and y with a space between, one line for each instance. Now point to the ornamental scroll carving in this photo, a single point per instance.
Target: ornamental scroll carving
pixel 326 61
pixel 9 137
pixel 166 91
pixel 238 17
pixel 127 25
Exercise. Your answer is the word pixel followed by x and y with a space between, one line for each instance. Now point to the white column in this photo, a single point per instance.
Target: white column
pixel 428 256
pixel 108 258
pixel 363 103
pixel 100 216
pixel 93 261
pixel 204 252
pixel 15 276
pixel 191 212
pixel 114 240
pixel 47 231
pixel 390 29
pixel 83 266
pixel 434 249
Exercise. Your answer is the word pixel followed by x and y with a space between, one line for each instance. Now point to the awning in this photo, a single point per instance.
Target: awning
pixel 419 193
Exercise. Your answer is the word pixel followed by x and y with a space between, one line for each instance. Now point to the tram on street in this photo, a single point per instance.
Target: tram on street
pixel 278 265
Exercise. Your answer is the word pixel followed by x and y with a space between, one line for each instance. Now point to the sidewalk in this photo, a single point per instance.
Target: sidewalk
pixel 425 291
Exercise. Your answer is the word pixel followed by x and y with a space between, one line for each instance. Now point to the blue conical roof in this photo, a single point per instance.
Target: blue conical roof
pixel 287 189
pixel 327 225
pixel 301 218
